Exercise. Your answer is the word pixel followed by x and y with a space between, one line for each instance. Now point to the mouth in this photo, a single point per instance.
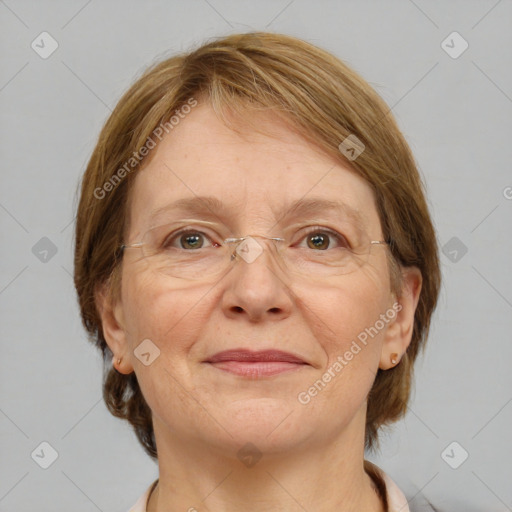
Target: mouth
pixel 256 364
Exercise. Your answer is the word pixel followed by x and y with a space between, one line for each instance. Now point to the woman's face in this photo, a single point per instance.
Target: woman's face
pixel 255 305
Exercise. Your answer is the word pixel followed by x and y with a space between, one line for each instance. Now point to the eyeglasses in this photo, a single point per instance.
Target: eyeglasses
pixel 195 252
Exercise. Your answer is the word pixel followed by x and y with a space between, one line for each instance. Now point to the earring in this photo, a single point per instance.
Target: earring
pixel 394 359
pixel 116 361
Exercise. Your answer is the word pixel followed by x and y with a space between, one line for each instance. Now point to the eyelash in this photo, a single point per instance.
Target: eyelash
pixel 342 240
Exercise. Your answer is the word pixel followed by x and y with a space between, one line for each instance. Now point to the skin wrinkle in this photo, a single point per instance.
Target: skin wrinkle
pixel 209 207
pixel 202 416
pixel 181 416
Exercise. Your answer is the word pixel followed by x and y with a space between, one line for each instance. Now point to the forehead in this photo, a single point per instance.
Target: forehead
pixel 254 176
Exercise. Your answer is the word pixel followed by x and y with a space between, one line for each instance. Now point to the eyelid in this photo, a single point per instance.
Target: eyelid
pixel 292 230
pixel 344 228
pixel 340 237
pixel 327 224
pixel 176 233
pixel 182 223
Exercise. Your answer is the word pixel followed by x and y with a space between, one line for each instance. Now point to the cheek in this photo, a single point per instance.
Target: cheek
pixel 161 311
pixel 172 318
pixel 346 306
pixel 345 321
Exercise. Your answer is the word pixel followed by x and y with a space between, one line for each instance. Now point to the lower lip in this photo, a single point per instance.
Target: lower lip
pixel 257 368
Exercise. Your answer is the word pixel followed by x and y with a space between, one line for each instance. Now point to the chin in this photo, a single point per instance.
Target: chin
pixel 266 422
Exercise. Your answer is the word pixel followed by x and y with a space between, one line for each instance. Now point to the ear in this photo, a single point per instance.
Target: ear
pixel 113 326
pixel 399 332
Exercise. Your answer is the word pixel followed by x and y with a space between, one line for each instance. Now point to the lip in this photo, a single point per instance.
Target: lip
pixel 248 356
pixel 248 363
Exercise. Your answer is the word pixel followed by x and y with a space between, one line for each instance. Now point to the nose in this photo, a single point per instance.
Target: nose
pixel 256 286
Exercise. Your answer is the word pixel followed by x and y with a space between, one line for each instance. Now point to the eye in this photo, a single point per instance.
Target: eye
pixel 323 239
pixel 188 239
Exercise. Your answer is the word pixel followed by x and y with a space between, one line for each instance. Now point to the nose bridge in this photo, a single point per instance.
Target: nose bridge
pixel 257 287
pixel 250 247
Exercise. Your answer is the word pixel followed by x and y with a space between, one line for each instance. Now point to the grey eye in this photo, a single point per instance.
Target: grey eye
pixel 323 239
pixel 191 241
pixel 187 240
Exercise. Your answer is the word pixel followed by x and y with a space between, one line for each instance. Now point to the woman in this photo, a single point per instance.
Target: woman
pixel 256 261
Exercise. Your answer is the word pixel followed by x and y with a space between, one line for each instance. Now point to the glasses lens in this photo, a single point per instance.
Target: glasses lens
pixel 305 261
pixel 187 253
pixel 329 262
pixel 195 253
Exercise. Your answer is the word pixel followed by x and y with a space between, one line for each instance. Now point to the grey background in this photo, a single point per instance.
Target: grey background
pixel 456 114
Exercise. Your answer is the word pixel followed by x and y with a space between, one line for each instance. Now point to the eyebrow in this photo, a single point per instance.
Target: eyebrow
pixel 211 208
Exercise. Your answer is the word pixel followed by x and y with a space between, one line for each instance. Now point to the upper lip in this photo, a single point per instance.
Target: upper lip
pixel 245 355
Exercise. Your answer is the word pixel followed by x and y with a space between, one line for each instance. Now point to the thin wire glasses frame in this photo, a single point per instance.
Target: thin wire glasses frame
pixel 193 264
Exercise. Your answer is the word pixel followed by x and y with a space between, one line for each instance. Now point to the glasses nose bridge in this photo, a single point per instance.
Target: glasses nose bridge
pixel 248 249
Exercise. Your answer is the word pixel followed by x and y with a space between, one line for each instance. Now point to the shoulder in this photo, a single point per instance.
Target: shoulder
pixel 396 501
pixel 140 506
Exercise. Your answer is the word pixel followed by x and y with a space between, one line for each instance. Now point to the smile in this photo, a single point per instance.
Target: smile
pixel 265 363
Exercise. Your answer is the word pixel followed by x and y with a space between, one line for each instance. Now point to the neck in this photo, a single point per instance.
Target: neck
pixel 324 477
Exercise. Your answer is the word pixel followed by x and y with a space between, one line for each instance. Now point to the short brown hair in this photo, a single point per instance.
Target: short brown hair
pixel 326 101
